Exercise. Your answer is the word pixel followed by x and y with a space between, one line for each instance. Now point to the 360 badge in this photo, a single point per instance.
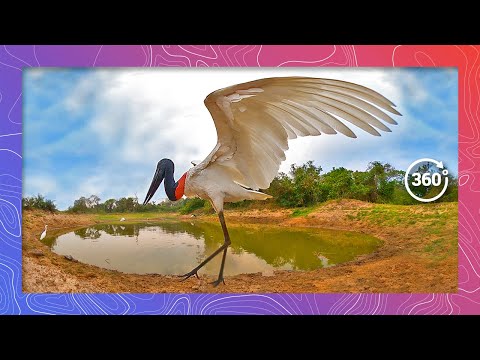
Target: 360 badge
pixel 426 178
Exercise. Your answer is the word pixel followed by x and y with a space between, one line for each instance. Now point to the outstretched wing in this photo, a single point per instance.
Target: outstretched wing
pixel 254 121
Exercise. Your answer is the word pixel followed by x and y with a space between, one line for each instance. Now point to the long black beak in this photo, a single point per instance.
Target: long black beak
pixel 157 180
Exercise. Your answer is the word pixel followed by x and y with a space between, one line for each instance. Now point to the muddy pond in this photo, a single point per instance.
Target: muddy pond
pixel 176 247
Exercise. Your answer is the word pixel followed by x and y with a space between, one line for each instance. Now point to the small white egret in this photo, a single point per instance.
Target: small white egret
pixel 254 122
pixel 44 233
pixel 122 219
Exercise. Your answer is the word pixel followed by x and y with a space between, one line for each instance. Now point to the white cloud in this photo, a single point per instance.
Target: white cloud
pixel 41 184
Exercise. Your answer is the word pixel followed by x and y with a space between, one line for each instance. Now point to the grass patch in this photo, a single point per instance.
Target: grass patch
pixel 115 217
pixel 436 222
pixel 436 216
pixel 302 211
pixel 434 245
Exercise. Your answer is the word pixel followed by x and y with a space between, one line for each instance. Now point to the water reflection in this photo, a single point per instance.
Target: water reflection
pixel 175 247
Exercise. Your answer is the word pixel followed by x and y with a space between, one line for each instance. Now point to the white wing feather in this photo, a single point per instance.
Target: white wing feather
pixel 254 121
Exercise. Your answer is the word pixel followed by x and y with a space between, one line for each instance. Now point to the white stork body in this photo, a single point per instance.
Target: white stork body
pixel 215 184
pixel 254 122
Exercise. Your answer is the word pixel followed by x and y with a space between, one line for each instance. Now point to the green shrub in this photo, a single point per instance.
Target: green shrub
pixel 39 202
pixel 190 205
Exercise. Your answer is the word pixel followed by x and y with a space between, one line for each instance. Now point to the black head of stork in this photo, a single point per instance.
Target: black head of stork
pixel 173 189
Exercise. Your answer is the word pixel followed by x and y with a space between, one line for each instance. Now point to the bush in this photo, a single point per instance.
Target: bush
pixel 190 205
pixel 39 202
pixel 245 204
pixel 299 188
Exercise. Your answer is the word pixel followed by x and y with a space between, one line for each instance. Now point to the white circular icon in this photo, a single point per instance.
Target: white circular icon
pixel 426 179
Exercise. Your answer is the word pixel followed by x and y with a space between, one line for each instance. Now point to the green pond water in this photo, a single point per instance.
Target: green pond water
pixel 177 247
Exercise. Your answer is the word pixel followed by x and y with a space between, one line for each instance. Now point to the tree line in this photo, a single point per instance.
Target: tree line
pixel 304 185
pixel 38 202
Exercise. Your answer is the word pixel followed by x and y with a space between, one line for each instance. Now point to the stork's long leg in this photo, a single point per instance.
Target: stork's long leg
pixel 227 241
pixel 220 274
pixel 224 247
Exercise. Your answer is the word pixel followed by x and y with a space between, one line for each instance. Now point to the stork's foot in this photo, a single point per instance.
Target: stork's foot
pixel 189 274
pixel 218 281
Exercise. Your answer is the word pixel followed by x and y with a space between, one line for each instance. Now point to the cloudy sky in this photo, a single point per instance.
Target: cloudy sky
pixel 102 131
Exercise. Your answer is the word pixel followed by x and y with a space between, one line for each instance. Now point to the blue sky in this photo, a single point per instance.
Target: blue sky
pixel 102 131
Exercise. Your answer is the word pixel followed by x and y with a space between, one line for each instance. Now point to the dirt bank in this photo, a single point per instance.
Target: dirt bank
pixel 419 254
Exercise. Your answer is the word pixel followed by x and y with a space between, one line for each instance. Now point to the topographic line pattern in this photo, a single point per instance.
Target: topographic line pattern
pixel 14 58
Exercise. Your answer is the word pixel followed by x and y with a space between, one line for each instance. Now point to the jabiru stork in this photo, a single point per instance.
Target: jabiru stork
pixel 254 121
